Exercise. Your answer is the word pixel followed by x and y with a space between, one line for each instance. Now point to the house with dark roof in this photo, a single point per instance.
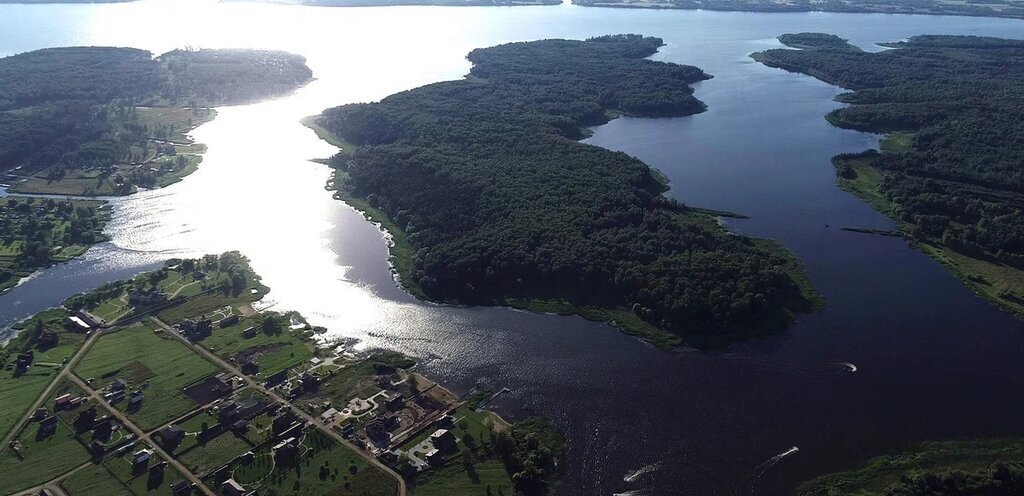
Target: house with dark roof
pixel 181 488
pixel 171 436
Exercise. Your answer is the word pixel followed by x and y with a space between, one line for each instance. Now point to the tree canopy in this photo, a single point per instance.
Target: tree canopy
pixel 499 200
pixel 955 171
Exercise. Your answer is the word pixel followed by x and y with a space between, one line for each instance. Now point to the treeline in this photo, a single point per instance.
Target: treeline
pixel 32 231
pixel 500 201
pixel 533 452
pixel 64 106
pixel 958 177
pixel 996 8
pixel 1001 479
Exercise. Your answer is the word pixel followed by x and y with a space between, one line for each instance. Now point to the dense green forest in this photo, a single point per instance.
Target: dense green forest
pixel 35 233
pixel 951 468
pixel 981 8
pixel 953 168
pixel 485 180
pixel 73 110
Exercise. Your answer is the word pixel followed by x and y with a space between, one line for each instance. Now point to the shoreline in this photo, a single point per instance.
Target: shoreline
pixel 400 261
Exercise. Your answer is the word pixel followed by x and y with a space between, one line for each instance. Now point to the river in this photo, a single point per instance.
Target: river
pixel 932 361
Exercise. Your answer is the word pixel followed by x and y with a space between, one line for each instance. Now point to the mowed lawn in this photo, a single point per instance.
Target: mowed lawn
pixel 151 361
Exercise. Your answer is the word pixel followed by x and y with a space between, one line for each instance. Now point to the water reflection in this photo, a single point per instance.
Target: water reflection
pixel 638 419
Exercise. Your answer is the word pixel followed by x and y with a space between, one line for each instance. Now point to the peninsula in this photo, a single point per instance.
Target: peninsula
pixel 491 199
pixel 949 170
pixel 94 121
pixel 100 121
pixel 173 384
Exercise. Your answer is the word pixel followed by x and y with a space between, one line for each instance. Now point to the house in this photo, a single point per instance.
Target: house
pixel 232 488
pixel 227 412
pixel 97 449
pixel 196 330
pixel 446 422
pixel 181 488
pixel 118 385
pixel 435 457
pixel 250 368
pixel 135 401
pixel 40 414
pixel 49 339
pixel 249 333
pixel 48 426
pixel 228 321
pixel 282 422
pixel 85 419
pixel 396 403
pixel 443 439
pixel 63 402
pixel 150 296
pixel 76 324
pixel 377 431
pixel 140 460
pixel 328 415
pixel 286 453
pixel 171 436
pixel 90 320
pixel 103 428
pixel 277 378
pixel 240 426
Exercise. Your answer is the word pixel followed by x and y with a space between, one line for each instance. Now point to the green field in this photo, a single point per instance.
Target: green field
pixel 17 393
pixel 326 467
pixel 273 351
pixel 40 460
pixel 158 364
pixel 203 458
pixel 94 479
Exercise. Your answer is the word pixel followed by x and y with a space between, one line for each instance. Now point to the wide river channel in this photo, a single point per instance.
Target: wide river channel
pixel 932 360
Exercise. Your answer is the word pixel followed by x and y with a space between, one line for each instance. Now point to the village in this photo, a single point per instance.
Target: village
pixel 174 384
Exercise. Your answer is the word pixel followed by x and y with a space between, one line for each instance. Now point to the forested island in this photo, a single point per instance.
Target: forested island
pixel 106 121
pixel 995 8
pixel 950 169
pixel 491 198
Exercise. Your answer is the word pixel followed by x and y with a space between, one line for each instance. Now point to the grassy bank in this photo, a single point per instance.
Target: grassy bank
pixel 995 282
pixel 880 474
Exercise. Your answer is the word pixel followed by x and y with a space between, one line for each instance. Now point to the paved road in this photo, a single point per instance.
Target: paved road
pixel 402 491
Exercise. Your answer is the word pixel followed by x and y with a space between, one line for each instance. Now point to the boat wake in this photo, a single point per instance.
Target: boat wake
pixel 635 475
pixel 761 469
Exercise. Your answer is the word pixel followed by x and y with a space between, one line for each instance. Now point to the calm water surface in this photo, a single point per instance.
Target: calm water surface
pixel 932 360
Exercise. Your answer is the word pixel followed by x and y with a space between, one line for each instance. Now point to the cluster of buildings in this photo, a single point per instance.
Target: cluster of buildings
pixel 196 330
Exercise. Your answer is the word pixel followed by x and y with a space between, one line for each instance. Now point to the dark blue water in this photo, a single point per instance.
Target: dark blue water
pixel 932 360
